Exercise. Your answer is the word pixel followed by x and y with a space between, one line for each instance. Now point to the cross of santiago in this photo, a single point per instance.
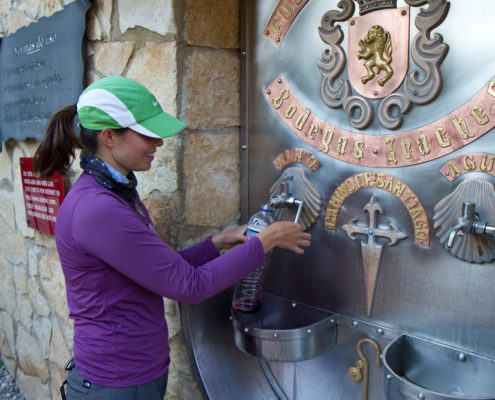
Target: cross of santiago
pixel 372 251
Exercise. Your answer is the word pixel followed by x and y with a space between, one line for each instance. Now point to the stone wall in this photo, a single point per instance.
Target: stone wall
pixel 187 52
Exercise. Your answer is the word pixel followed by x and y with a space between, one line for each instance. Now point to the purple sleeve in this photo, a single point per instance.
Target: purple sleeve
pixel 110 230
pixel 200 253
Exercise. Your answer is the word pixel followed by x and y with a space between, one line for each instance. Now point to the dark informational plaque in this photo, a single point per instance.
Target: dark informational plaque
pixel 41 71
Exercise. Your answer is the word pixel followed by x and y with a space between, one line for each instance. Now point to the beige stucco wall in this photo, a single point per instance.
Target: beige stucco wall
pixel 186 51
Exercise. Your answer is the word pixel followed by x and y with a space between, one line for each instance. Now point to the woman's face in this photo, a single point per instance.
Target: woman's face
pixel 132 151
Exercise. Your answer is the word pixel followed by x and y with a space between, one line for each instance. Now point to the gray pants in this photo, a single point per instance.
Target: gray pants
pixel 79 388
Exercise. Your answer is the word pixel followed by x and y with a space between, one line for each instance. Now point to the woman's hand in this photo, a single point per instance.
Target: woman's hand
pixel 284 234
pixel 228 239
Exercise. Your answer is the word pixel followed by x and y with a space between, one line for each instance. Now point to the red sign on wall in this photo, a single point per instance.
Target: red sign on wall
pixel 42 197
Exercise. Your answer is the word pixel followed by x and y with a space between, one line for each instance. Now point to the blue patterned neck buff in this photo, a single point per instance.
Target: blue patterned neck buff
pixel 109 177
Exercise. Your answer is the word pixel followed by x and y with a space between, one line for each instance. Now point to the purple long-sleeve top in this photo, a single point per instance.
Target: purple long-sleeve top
pixel 116 272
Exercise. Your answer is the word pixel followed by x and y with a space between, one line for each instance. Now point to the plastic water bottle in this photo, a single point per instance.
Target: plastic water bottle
pixel 249 291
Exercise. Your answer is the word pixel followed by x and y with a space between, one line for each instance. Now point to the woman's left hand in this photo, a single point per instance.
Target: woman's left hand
pixel 228 239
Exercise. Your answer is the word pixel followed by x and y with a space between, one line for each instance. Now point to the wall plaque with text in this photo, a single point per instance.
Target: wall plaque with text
pixel 42 197
pixel 41 70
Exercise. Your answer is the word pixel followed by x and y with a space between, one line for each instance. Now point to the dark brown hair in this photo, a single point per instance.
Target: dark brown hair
pixel 57 148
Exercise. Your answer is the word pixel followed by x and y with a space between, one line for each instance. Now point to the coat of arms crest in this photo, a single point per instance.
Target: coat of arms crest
pixel 378 59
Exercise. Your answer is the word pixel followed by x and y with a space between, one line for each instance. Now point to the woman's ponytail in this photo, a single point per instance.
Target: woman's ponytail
pixel 57 148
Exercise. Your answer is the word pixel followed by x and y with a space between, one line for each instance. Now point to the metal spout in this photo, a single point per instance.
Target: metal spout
pixel 469 222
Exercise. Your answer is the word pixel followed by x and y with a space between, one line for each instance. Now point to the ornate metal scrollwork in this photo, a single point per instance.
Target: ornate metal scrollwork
pixel 428 52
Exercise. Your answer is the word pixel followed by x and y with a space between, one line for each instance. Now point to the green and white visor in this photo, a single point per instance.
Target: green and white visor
pixel 117 102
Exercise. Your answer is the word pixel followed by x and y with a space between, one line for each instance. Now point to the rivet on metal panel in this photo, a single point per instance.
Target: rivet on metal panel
pixel 375 151
pixel 293 305
pixel 275 335
pixel 277 39
pixel 309 331
pixel 421 396
pixel 244 147
pixel 332 321
pixel 279 80
pixel 355 324
pixel 353 22
pixel 461 357
pixel 246 330
pixel 267 32
pixel 375 92
pixel 268 91
pixel 389 377
pixel 403 12
pixel 380 331
pixel 230 318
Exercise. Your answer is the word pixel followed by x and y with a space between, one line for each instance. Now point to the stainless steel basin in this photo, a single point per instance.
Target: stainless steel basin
pixel 416 368
pixel 284 330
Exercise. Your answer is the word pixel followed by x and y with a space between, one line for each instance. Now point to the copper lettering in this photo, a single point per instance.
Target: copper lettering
pixel 443 141
pixel 420 223
pixel 278 101
pixel 491 91
pixel 327 139
pixel 341 145
pixel 461 127
pixel 310 163
pixel 275 28
pixel 398 189
pixel 484 167
pixel 391 154
pixel 410 195
pixel 301 120
pixel 423 147
pixel 380 180
pixel 479 115
pixel 314 129
pixel 360 182
pixel 368 179
pixel 291 110
pixel 405 145
pixel 412 204
pixel 286 13
pixel 468 161
pixel 453 170
pixel 358 149
pixel 298 155
pixel 421 235
pixel 415 212
pixel 388 184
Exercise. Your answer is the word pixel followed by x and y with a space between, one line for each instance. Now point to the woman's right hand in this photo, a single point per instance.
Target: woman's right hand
pixel 284 234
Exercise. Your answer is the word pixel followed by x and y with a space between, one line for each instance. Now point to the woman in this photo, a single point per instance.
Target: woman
pixel 116 267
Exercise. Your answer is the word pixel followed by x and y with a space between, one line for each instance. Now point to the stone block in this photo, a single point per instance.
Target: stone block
pixel 17 19
pixel 31 387
pixel 211 168
pixel 59 351
pixel 53 283
pixel 7 341
pixel 163 214
pixel 212 23
pixel 7 287
pixel 211 89
pixel 112 58
pixel 98 20
pixel 154 66
pixel 162 176
pixel 154 15
pixel 30 355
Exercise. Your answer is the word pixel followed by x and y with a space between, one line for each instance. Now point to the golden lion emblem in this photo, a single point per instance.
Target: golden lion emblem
pixel 376 43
